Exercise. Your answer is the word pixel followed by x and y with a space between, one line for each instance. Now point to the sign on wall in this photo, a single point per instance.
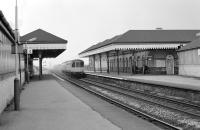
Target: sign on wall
pixel 30 51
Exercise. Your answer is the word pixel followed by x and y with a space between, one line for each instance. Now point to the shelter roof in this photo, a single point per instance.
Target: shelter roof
pixel 158 36
pixel 6 26
pixel 101 44
pixel 40 41
pixel 42 37
pixel 149 36
pixel 192 45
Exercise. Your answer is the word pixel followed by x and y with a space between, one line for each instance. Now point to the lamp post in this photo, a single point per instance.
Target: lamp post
pixel 16 80
pixel 27 70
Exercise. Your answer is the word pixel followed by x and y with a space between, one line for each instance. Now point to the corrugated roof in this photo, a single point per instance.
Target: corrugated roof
pixel 42 37
pixel 192 45
pixel 149 36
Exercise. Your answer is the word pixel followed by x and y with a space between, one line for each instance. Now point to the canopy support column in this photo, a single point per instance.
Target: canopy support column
pixel 94 63
pixel 123 60
pixel 100 62
pixel 108 67
pixel 40 65
pixel 132 62
pixel 117 52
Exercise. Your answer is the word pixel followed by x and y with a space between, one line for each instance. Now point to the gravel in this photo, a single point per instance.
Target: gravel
pixel 172 117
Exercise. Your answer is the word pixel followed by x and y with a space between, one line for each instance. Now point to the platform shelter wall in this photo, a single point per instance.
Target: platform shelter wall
pixel 125 59
pixel 7 64
pixel 133 61
pixel 156 61
pixel 97 63
pixel 7 71
pixel 104 62
pixel 189 63
pixel 91 64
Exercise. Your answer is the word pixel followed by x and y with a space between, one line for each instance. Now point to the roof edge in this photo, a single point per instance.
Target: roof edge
pixel 7 28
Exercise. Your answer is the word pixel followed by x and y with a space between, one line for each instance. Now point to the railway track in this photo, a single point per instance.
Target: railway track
pixel 98 89
pixel 185 107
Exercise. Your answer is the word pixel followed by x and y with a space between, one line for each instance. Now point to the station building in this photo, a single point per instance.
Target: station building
pixel 139 52
pixel 189 59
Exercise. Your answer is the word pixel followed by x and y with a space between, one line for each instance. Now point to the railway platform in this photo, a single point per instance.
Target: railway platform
pixel 175 81
pixel 46 105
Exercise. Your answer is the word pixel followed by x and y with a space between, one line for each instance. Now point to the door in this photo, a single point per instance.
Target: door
pixel 170 64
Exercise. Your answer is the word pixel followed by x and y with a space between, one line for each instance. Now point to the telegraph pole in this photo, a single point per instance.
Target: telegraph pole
pixel 16 81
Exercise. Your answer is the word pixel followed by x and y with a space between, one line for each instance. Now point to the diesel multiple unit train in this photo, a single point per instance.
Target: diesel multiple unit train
pixel 72 68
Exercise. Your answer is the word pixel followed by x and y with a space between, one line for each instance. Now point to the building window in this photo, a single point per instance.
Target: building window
pixel 73 64
pixel 126 62
pixel 139 62
pixel 160 63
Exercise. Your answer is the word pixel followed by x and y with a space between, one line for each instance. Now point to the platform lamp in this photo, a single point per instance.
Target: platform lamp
pixel 27 52
pixel 16 80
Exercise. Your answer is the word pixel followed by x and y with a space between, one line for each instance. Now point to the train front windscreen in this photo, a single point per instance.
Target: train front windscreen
pixel 80 64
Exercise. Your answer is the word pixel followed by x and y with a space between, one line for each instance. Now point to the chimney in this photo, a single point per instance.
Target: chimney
pixel 159 28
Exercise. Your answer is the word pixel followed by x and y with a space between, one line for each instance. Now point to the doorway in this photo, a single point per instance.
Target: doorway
pixel 170 65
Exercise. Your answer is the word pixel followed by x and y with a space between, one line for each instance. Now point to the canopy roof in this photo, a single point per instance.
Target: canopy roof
pixel 170 36
pixel 43 42
pixel 144 39
pixel 42 37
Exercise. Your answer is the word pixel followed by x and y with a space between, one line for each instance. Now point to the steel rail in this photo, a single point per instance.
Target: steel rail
pixel 132 96
pixel 188 104
pixel 163 97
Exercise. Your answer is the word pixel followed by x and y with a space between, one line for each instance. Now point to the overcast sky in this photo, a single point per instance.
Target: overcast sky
pixel 87 22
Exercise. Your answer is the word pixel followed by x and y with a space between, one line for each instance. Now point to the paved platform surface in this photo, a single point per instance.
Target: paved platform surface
pixel 116 115
pixel 167 80
pixel 46 105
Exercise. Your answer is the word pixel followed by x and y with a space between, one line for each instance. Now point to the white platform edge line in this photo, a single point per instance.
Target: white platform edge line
pixel 58 77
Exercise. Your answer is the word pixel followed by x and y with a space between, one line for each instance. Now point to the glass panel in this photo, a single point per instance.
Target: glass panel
pixel 160 63
pixel 73 64
pixel 82 64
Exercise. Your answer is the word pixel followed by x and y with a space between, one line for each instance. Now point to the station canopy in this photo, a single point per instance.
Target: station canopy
pixel 40 41
pixel 143 39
